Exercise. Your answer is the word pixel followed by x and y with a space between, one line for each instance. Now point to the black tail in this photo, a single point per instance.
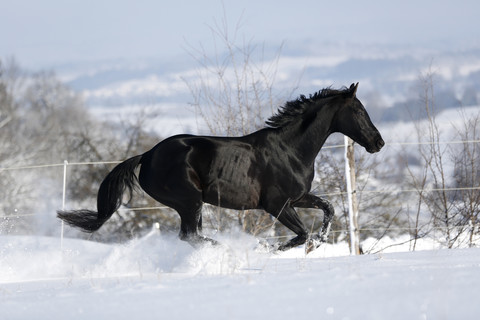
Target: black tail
pixel 109 197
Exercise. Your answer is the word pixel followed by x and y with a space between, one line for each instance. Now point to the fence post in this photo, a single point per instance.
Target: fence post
pixel 351 196
pixel 65 164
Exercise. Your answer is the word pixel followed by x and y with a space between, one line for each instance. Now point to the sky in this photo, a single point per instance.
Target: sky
pixel 50 32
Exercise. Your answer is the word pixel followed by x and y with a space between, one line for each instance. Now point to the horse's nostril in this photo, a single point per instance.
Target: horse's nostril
pixel 380 143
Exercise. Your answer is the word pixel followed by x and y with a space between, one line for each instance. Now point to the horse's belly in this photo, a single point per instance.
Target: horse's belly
pixel 233 196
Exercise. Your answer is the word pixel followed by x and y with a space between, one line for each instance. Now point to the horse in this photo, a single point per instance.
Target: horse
pixel 271 169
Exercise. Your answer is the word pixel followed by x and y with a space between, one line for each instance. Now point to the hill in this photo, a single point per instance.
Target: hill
pixel 389 79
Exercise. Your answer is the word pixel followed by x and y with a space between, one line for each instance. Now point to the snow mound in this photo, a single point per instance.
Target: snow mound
pixel 26 258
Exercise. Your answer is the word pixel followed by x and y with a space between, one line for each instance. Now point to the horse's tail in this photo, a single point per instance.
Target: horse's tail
pixel 109 197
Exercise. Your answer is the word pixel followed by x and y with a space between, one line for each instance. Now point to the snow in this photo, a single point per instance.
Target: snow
pixel 161 277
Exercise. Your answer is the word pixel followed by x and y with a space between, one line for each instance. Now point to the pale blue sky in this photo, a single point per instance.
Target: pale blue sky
pixel 44 33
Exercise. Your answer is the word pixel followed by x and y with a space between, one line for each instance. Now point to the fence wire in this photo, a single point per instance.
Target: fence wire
pixel 392 191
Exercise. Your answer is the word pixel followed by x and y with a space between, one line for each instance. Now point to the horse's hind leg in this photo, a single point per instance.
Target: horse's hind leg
pixel 166 176
pixel 182 196
pixel 191 225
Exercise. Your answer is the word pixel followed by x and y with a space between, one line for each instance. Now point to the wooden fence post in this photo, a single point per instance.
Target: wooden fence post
pixel 65 164
pixel 352 196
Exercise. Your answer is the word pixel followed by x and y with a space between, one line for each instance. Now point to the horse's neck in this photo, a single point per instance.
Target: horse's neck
pixel 308 141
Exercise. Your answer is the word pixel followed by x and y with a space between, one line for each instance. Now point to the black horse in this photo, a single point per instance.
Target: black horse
pixel 271 169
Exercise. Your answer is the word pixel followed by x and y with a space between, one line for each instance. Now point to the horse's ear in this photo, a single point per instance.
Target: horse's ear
pixel 353 90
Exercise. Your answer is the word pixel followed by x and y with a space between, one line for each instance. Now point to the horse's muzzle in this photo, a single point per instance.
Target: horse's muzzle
pixel 375 143
pixel 378 145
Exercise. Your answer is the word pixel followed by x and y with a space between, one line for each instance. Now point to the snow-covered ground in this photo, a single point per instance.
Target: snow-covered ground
pixel 160 277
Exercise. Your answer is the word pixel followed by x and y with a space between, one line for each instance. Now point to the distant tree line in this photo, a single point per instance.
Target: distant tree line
pixel 409 110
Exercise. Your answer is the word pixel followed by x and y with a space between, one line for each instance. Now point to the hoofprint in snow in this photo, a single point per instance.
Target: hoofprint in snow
pixel 161 277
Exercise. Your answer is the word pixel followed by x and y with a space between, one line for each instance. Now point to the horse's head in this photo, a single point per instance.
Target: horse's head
pixel 352 120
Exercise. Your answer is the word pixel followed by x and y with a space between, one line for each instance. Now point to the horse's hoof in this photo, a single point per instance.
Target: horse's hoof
pixel 313 243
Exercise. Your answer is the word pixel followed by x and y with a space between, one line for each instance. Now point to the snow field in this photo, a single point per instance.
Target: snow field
pixel 161 277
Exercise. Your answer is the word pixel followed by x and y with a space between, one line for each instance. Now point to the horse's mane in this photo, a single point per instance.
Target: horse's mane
pixel 293 109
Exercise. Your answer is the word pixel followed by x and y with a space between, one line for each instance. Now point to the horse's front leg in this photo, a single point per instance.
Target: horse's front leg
pixel 314 202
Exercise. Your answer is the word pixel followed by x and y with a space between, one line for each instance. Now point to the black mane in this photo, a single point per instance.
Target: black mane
pixel 293 109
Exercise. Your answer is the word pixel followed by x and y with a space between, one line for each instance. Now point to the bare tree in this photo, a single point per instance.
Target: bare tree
pixel 233 93
pixel 233 90
pixel 15 194
pixel 442 208
pixel 43 121
pixel 466 159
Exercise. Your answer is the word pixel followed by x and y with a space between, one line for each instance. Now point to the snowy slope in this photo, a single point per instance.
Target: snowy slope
pixel 160 277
